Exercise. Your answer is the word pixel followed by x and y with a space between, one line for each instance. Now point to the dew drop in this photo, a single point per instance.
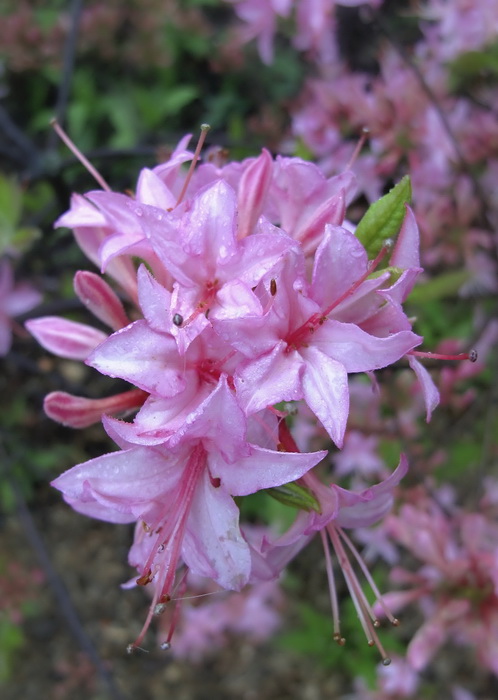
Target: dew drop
pixel 159 608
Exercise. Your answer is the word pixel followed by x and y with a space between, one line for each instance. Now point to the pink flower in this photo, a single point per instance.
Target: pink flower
pixel 338 509
pixel 183 497
pixel 303 340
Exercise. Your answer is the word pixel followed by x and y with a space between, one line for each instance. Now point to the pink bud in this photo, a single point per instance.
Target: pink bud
pixel 332 211
pixel 100 299
pixel 253 186
pixel 79 412
pixel 69 339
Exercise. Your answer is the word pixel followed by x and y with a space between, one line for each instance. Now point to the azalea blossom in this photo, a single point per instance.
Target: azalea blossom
pixel 182 498
pixel 339 509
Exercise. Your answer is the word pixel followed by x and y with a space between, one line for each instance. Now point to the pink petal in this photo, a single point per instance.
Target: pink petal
pixel 339 262
pixel 429 389
pixel 406 252
pixel 213 545
pixel 359 351
pixel 371 505
pixel 262 469
pixel 127 481
pixel 143 357
pixel 325 387
pixel 269 379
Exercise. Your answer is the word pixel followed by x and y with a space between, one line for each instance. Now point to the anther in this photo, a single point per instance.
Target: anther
pixel 386 661
pixel 130 649
pixel 273 288
pixel 145 579
pixel 395 622
pixel 165 646
pixel 473 355
pixel 159 608
pixel 178 320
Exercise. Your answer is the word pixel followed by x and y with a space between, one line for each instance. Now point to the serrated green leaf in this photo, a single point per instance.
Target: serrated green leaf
pixel 383 218
pixel 295 496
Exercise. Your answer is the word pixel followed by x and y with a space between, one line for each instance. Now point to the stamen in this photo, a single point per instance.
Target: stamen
pixel 172 536
pixel 178 320
pixel 370 580
pixel 176 612
pixel 365 133
pixel 363 608
pixel 79 155
pixel 332 590
pixel 204 129
pixel 133 647
pixel 471 355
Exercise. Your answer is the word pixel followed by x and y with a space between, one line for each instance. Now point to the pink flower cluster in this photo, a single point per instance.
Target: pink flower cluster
pixel 418 116
pixel 252 292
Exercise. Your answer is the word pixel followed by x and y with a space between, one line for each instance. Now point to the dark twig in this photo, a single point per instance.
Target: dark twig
pixel 65 604
pixel 68 68
pixel 23 152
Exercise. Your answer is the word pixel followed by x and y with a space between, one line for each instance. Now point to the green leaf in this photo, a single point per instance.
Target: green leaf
pixel 446 284
pixel 472 67
pixel 295 496
pixel 383 218
pixel 10 200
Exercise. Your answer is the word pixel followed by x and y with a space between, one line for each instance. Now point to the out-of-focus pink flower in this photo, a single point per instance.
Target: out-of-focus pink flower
pixel 206 624
pixel 456 584
pixel 15 299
